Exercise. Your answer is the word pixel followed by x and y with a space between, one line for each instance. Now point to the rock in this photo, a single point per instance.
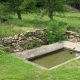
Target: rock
pixel 20 38
pixel 71 32
pixel 33 37
pixel 17 50
pixel 38 32
pixel 30 39
pixel 13 44
pixel 1 45
pixel 22 34
pixel 16 36
pixel 8 39
pixel 71 36
pixel 29 34
pixel 77 35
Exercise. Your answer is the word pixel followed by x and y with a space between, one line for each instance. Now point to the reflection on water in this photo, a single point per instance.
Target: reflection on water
pixel 55 58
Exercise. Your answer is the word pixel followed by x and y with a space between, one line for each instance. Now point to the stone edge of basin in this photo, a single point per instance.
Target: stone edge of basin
pixel 27 54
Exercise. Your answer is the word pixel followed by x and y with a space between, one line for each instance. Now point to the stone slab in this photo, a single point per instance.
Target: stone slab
pixel 28 54
pixel 39 51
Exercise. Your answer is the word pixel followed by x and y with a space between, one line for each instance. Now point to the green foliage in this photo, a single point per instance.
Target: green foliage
pixel 55 33
pixel 19 6
pixel 31 44
pixel 4 14
pixel 29 5
pixel 27 45
pixel 53 6
pixel 36 42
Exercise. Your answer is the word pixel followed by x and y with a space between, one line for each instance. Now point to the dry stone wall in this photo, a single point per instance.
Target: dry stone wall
pixel 23 41
pixel 28 40
pixel 73 36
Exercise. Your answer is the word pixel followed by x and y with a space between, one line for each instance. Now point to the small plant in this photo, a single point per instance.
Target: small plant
pixel 30 44
pixel 25 46
pixel 36 42
pixel 55 33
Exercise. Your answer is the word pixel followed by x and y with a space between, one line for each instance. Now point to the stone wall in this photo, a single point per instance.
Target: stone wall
pixel 23 41
pixel 73 36
pixel 28 40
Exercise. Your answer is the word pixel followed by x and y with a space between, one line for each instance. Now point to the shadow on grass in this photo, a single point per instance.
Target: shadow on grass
pixel 65 16
pixel 29 23
pixel 33 23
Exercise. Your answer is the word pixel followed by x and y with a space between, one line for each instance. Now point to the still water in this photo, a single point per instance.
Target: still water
pixel 55 58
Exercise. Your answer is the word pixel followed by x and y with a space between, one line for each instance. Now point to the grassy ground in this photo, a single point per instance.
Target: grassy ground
pixel 12 68
pixel 72 19
pixel 34 21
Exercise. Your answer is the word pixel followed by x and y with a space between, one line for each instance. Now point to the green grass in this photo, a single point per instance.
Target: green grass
pixel 72 19
pixel 12 68
pixel 34 21
pixel 8 31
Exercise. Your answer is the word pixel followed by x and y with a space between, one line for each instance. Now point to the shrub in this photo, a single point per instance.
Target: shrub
pixel 55 33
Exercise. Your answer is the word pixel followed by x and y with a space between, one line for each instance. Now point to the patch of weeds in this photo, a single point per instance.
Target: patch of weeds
pixel 30 44
pixel 27 45
pixel 36 42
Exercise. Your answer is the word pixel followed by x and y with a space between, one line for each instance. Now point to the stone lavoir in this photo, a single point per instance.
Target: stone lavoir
pixel 28 40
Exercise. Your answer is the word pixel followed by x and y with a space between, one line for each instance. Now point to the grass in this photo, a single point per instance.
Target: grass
pixel 12 68
pixel 34 21
pixel 11 30
pixel 72 19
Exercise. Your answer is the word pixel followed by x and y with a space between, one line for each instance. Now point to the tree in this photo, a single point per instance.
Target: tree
pixel 29 5
pixel 52 6
pixel 18 6
pixel 4 13
pixel 74 3
pixel 14 6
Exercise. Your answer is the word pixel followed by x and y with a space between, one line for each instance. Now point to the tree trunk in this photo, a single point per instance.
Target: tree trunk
pixel 19 15
pixel 51 15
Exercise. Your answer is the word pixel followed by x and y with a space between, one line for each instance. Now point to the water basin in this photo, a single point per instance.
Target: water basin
pixel 55 58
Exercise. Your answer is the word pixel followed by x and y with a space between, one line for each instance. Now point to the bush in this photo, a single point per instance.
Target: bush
pixel 55 33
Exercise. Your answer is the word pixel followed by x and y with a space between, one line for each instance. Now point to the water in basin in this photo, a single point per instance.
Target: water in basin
pixel 55 58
